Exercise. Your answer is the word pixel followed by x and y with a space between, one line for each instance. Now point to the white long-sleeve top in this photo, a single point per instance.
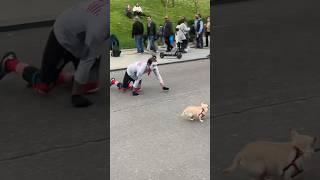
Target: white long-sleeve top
pixel 180 36
pixel 184 28
pixel 137 69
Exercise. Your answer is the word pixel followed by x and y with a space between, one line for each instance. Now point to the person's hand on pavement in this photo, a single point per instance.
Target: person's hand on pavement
pixel 163 86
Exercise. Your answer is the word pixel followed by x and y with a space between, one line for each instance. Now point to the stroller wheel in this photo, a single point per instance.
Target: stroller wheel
pixel 179 55
pixel 161 55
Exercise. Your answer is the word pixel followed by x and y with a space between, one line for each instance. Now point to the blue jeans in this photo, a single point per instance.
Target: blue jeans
pixel 152 45
pixel 200 40
pixel 139 43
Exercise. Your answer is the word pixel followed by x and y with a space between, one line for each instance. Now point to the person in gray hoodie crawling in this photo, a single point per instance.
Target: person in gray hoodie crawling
pixel 79 35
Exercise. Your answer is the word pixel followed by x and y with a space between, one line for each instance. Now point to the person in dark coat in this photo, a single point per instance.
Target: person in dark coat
pixel 137 34
pixel 152 33
pixel 167 32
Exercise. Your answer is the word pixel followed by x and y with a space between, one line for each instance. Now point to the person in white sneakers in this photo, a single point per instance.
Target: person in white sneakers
pixel 134 73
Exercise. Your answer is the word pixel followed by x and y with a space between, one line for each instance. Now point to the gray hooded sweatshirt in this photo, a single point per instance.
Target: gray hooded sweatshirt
pixel 83 31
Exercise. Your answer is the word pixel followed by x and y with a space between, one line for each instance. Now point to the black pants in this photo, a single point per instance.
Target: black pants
pixel 167 41
pixel 184 44
pixel 126 81
pixel 200 40
pixel 55 57
pixel 207 38
pixel 180 46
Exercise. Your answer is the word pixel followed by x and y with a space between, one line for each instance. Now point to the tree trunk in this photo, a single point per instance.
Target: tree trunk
pixel 167 7
pixel 196 5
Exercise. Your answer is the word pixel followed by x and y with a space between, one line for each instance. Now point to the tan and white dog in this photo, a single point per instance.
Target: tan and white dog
pixel 275 160
pixel 195 112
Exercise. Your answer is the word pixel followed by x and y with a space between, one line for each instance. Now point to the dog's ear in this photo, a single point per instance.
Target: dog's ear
pixel 293 133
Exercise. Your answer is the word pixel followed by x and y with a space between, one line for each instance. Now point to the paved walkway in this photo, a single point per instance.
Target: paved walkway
pixel 129 56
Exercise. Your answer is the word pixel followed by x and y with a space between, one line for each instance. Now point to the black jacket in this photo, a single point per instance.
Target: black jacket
pixel 167 29
pixel 152 30
pixel 137 28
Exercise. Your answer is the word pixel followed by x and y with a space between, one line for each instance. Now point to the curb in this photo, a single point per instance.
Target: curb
pixel 30 25
pixel 166 63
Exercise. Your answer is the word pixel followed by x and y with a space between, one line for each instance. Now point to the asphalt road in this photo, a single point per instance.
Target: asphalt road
pixel 44 137
pixel 266 76
pixel 149 139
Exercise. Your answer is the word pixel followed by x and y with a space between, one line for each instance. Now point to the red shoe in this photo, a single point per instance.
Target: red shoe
pixel 113 81
pixel 138 89
pixel 91 87
pixel 130 86
pixel 7 57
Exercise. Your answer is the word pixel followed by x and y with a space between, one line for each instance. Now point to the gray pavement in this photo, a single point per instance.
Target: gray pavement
pixel 149 139
pixel 44 137
pixel 266 76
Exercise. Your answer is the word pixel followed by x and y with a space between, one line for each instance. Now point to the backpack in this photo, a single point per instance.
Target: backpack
pixel 115 51
pixel 115 46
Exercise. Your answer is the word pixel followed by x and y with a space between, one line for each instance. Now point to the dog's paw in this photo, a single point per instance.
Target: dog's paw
pixel 201 120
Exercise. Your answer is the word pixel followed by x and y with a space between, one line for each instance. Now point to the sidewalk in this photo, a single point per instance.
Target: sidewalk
pixel 129 56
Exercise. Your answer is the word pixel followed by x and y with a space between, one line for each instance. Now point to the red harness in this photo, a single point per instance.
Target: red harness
pixel 299 153
pixel 202 114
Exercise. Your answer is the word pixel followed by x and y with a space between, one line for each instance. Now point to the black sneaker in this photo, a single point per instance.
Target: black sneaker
pixel 134 93
pixel 7 56
pixel 165 88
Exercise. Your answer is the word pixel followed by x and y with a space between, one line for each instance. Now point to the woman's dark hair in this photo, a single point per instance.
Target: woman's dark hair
pixel 152 59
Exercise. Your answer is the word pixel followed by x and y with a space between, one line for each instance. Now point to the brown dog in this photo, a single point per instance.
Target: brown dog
pixel 275 160
pixel 193 112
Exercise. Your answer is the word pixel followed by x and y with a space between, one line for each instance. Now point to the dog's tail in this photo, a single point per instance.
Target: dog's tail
pixel 235 163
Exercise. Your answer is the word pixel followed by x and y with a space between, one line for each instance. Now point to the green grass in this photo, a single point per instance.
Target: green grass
pixel 121 25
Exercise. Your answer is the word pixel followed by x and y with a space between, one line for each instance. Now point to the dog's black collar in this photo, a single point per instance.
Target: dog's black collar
pixel 299 153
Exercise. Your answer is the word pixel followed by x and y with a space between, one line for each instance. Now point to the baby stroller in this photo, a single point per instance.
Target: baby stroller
pixel 175 50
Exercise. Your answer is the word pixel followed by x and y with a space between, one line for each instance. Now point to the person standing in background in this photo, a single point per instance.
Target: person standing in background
pixel 160 35
pixel 167 32
pixel 179 38
pixel 151 32
pixel 137 10
pixel 198 24
pixel 185 29
pixel 137 34
pixel 128 11
pixel 207 27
